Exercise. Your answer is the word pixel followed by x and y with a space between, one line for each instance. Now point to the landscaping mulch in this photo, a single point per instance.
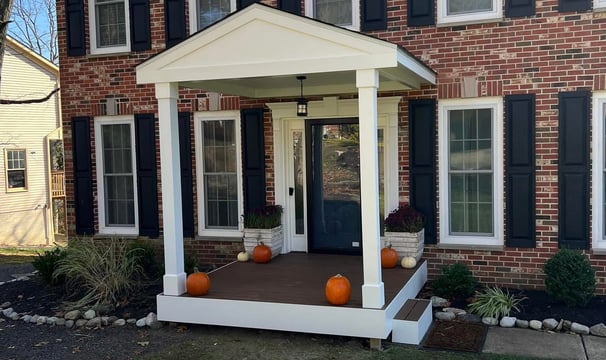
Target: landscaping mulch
pixel 456 335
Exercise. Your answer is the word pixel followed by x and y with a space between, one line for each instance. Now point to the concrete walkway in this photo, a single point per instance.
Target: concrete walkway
pixel 543 344
pixel 10 272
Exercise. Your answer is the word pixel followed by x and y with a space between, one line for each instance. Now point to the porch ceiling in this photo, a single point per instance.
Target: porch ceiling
pixel 258 51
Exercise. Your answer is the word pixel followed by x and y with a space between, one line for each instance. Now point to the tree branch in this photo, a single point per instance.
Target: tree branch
pixel 28 101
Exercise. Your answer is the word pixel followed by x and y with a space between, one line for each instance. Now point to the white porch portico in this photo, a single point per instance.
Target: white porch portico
pixel 257 52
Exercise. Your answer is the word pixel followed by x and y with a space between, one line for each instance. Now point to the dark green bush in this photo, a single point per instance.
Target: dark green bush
pixel 570 278
pixel 46 263
pixel 146 258
pixel 456 282
pixel 190 263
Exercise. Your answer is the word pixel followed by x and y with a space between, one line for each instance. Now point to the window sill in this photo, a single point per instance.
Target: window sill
pixel 468 22
pixel 114 235
pixel 471 247
pixel 217 238
pixel 598 251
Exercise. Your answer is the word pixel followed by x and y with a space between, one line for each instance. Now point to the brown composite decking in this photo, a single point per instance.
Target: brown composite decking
pixel 298 278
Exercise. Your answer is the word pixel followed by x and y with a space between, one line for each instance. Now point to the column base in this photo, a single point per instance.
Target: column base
pixel 174 284
pixel 373 295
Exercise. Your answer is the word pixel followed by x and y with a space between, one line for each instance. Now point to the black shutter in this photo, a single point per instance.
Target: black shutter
pixel 253 158
pixel 83 182
pixel 240 4
pixel 174 22
pixel 74 16
pixel 519 8
pixel 574 5
pixel 140 33
pixel 374 15
pixel 147 182
pixel 293 6
pixel 187 193
pixel 520 170
pixel 421 12
pixel 573 170
pixel 422 140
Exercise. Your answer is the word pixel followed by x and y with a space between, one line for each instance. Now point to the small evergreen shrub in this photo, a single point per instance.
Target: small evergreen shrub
pixel 46 263
pixel 190 263
pixel 145 256
pixel 570 278
pixel 456 282
pixel 494 302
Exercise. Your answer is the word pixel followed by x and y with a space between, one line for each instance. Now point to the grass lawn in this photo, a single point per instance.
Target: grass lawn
pixel 13 256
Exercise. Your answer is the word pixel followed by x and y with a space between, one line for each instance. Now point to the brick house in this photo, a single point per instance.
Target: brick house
pixel 488 117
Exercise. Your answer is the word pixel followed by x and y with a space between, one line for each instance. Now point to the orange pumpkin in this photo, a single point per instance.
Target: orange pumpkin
pixel 198 283
pixel 338 290
pixel 261 253
pixel 389 258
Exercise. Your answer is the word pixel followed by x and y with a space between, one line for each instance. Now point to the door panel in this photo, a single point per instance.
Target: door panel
pixel 296 185
pixel 333 186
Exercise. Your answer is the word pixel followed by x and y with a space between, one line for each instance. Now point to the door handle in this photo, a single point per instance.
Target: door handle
pixel 291 191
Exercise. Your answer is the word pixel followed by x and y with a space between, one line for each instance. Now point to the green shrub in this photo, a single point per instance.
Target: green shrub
pixel 494 302
pixel 190 263
pixel 145 256
pixel 456 281
pixel 570 278
pixel 46 263
pixel 99 272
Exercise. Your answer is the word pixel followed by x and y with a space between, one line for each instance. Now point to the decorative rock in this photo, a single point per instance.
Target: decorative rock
pixel 5 305
pixel 69 324
pixel 34 319
pixel 51 320
pixel 141 322
pixel 456 311
pixel 550 324
pixel 131 321
pixel 567 325
pixel 490 321
pixel 94 322
pixel 469 318
pixel 437 301
pixel 445 315
pixel 112 319
pixel 7 312
pixel 579 328
pixel 72 315
pixel 41 320
pixel 598 330
pixel 119 322
pixel 14 316
pixel 60 322
pixel 535 324
pixel 104 320
pixel 560 325
pixel 523 324
pixel 26 318
pixel 89 314
pixel 80 323
pixel 152 321
pixel 507 322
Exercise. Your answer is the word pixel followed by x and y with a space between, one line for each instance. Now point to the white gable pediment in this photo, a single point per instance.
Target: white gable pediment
pixel 269 45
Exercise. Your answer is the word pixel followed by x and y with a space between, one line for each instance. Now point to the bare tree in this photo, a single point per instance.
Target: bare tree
pixel 34 25
pixel 5 14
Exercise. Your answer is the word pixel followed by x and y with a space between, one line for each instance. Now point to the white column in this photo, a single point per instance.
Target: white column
pixel 373 292
pixel 174 276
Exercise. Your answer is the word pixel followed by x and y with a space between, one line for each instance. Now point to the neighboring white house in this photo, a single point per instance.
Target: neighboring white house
pixel 26 130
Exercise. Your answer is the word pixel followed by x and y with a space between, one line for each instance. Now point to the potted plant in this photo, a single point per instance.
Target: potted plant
pixel 404 231
pixel 264 225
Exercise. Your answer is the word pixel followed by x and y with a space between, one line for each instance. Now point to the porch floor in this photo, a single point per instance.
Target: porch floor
pixel 298 278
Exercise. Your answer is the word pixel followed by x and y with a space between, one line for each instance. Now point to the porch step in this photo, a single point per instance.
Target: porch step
pixel 412 322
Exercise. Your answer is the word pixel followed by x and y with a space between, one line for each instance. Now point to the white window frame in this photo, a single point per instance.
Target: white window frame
pixel 193 15
pixel 599 4
pixel 444 106
pixel 199 117
pixel 6 170
pixel 94 49
pixel 598 177
pixel 355 13
pixel 114 120
pixel 479 17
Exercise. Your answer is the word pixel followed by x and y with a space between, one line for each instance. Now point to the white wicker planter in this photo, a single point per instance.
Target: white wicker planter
pixel 406 244
pixel 274 238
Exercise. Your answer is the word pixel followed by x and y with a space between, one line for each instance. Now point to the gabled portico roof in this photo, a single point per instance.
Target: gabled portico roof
pixel 258 51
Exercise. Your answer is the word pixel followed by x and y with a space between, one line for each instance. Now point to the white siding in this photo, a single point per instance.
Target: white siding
pixel 24 216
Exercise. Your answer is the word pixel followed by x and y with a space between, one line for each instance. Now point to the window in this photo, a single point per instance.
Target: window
pixel 116 182
pixel 208 12
pixel 16 174
pixel 599 4
pixel 219 173
pixel 466 11
pixel 598 140
pixel 109 26
pixel 345 13
pixel 471 184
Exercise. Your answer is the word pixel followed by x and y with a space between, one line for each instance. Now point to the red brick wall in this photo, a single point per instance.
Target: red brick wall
pixel 544 54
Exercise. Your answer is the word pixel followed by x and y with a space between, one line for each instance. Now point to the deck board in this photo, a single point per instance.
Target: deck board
pixel 298 278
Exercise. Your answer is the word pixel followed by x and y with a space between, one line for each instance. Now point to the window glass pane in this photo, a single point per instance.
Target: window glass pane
pixel 210 11
pixel 337 12
pixel 118 178
pixel 16 179
pixel 111 23
pixel 468 6
pixel 15 170
pixel 220 176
